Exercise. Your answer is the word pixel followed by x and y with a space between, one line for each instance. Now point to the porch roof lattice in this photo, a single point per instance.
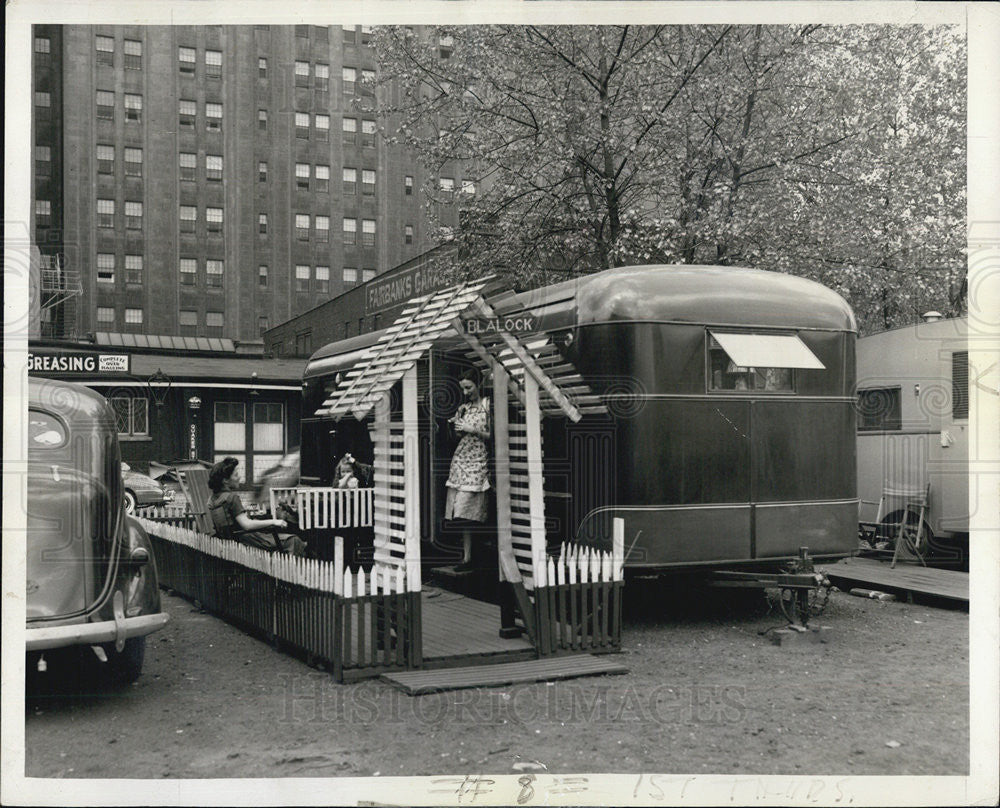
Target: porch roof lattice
pixel 425 321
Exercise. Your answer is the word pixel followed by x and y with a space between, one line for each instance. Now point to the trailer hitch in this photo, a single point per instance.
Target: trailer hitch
pixel 804 591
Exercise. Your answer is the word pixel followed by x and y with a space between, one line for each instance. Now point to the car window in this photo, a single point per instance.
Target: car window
pixel 45 431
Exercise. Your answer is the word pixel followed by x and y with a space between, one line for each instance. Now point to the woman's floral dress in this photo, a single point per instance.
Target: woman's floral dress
pixel 468 479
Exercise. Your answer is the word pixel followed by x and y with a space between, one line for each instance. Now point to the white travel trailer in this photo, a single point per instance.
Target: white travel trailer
pixel 913 427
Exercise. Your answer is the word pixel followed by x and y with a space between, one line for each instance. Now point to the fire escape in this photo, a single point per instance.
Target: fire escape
pixel 59 290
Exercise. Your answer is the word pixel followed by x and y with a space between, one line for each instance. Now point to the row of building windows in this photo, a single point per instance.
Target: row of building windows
pixel 106 160
pixel 107 267
pixel 189 219
pixel 187 59
pixel 187 112
pixel 133 106
pixel 131 48
pixel 213 319
pixel 106 214
pixel 214 271
pixel 350 177
pixel 106 316
pixel 317 279
pixel 188 166
pixel 320 71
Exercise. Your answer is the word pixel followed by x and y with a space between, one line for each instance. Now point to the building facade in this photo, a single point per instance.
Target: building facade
pixel 185 398
pixel 211 181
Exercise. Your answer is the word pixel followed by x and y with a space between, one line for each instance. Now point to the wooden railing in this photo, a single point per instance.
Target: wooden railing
pixel 326 508
pixel 578 602
pixel 359 623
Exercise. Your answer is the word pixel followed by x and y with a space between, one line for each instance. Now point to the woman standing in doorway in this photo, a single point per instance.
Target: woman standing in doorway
pixel 468 479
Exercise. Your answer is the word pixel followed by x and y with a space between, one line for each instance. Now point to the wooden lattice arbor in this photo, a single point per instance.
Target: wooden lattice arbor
pixel 530 379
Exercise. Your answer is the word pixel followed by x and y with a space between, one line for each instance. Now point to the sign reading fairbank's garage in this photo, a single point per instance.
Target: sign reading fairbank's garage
pixel 78 363
pixel 394 291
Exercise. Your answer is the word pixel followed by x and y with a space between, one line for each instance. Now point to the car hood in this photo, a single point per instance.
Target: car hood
pixel 73 519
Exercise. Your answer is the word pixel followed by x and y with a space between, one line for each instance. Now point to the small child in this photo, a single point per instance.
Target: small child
pixel 349 473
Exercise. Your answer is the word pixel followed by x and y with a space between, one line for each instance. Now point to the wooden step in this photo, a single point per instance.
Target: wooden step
pixel 415 683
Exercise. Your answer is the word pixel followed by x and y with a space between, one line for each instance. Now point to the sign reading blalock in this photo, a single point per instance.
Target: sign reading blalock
pixel 492 325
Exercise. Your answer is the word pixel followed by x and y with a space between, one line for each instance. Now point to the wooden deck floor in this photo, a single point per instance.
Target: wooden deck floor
pixel 457 626
pixel 904 577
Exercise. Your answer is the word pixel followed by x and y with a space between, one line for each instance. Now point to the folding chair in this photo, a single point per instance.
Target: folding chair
pixel 194 484
pixel 911 503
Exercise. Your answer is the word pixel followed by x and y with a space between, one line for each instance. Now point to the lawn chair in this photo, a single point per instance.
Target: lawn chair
pixel 899 519
pixel 194 484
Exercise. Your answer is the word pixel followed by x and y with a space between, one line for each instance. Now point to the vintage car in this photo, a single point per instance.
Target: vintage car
pixel 91 576
pixel 141 490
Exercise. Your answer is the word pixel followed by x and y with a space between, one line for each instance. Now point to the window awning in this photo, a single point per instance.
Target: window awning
pixel 767 350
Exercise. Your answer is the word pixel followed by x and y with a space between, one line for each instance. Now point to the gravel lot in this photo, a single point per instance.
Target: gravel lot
pixel 706 693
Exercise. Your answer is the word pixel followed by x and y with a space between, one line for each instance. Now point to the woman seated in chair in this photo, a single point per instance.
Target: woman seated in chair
pixel 230 518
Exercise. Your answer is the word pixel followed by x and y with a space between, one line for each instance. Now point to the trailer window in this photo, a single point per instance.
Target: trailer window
pixel 759 362
pixel 879 409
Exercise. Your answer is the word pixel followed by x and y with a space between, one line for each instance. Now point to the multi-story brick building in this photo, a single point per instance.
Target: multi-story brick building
pixel 211 181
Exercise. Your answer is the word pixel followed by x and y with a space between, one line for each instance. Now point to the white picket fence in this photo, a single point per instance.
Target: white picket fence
pixel 325 508
pixel 577 564
pixel 311 573
pixel 168 511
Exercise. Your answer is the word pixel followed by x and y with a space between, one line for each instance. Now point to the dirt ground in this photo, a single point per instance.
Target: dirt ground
pixel 706 693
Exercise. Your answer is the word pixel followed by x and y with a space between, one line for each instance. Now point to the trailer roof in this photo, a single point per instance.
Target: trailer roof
pixel 690 293
pixel 713 295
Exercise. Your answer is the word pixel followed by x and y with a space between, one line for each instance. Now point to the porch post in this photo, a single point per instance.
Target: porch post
pixel 411 480
pixel 536 510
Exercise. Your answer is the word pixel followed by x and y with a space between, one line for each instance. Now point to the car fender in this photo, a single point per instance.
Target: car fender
pixel 140 584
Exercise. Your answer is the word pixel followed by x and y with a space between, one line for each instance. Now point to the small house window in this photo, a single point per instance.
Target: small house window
pixel 879 409
pixel 131 414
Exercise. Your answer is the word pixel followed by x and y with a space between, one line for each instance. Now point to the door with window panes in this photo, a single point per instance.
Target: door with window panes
pixel 252 433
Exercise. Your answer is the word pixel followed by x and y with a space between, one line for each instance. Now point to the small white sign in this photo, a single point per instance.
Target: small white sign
pixel 114 363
